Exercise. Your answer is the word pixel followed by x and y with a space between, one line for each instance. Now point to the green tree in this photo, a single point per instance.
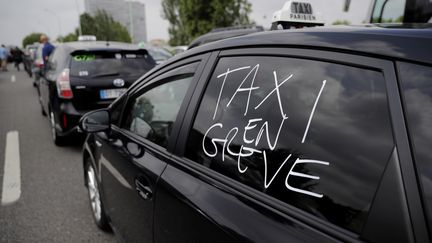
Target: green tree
pixel 73 36
pixel 389 20
pixel 103 26
pixel 399 19
pixel 191 18
pixel 341 22
pixel 176 29
pixel 31 38
pixel 88 24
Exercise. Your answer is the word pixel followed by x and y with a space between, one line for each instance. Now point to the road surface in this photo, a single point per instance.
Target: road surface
pixel 42 190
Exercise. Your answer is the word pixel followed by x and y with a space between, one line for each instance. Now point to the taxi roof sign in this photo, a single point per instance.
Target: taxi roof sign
pixel 86 38
pixel 295 14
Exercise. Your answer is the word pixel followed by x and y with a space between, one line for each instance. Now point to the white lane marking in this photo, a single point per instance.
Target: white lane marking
pixel 11 191
pixel 13 79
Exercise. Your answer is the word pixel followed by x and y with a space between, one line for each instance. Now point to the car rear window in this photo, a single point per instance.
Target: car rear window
pixel 104 63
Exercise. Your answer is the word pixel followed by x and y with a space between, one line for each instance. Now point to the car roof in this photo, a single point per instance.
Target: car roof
pixel 223 33
pixel 400 42
pixel 98 46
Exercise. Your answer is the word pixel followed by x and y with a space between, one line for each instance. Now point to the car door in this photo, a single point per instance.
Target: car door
pixel 134 154
pixel 289 145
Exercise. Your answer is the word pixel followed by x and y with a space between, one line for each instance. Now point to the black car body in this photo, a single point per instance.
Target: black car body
pixel 223 33
pixel 316 135
pixel 83 76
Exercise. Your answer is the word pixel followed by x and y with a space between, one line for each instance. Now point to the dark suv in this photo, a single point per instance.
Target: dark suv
pixel 83 76
pixel 318 135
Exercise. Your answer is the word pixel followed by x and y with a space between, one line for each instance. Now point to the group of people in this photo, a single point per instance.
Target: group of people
pixel 17 55
pixel 4 54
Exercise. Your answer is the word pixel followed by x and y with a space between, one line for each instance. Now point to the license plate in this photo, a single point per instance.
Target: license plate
pixel 111 93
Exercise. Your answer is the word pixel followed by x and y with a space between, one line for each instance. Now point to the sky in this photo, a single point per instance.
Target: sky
pixel 53 17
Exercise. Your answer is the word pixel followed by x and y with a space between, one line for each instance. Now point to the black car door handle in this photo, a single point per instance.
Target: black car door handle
pixel 144 191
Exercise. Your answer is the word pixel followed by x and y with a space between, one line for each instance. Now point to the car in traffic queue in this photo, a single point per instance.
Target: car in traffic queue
pixel 28 58
pixel 37 67
pixel 311 135
pixel 159 54
pixel 87 75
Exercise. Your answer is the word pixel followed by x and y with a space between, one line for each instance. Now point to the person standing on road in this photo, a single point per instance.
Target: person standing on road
pixel 47 48
pixel 17 55
pixel 3 57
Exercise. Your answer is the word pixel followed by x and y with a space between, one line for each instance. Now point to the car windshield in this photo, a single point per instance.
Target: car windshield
pixel 388 11
pixel 159 54
pixel 94 64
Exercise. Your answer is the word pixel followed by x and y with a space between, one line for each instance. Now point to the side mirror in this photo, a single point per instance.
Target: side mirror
pixel 95 121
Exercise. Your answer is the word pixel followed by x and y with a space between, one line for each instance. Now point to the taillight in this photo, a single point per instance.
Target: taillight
pixel 39 63
pixel 63 85
pixel 64 121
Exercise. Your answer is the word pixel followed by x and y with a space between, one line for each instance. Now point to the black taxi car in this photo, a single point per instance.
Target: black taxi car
pixel 86 75
pixel 316 135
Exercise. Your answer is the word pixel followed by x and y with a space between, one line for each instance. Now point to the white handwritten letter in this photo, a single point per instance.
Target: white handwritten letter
pixel 249 127
pixel 277 85
pixel 266 128
pixel 213 141
pixel 250 151
pixel 240 89
pixel 293 173
pixel 266 185
pixel 313 110
pixel 225 75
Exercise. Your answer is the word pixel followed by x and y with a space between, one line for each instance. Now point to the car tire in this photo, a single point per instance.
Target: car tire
pixel 43 111
pixel 57 139
pixel 96 204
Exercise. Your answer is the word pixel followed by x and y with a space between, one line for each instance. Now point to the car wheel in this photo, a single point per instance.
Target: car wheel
pixel 58 140
pixel 35 81
pixel 43 111
pixel 96 204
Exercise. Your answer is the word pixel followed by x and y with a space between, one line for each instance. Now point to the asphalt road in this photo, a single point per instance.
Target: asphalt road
pixel 53 205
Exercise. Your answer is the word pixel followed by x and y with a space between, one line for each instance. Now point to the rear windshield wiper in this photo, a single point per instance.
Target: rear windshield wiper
pixel 106 74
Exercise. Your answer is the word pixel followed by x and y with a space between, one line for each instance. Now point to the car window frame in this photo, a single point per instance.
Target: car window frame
pixel 410 140
pixel 157 78
pixel 400 137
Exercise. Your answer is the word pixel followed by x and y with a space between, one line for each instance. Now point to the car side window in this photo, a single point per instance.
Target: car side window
pixel 315 135
pixel 152 114
pixel 417 93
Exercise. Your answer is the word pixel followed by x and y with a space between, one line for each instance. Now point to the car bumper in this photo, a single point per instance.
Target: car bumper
pixel 68 119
